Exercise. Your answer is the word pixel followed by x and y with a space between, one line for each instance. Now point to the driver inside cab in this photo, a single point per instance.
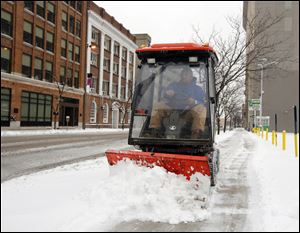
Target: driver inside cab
pixel 186 96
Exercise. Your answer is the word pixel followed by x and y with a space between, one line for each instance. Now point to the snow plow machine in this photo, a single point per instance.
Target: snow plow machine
pixel 173 110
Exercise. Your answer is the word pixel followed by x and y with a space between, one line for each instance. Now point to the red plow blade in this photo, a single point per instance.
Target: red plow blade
pixel 177 163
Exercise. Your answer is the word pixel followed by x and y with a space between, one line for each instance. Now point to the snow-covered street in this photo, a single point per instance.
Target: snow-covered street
pixel 257 190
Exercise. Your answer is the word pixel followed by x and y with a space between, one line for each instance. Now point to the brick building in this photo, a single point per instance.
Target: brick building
pixel 42 45
pixel 49 50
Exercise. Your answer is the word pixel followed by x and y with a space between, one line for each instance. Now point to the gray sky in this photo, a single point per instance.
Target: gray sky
pixel 172 21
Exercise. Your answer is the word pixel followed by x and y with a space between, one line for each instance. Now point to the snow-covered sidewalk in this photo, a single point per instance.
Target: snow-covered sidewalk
pixel 273 176
pixel 89 196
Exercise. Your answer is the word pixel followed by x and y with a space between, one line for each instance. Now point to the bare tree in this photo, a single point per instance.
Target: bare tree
pixel 240 52
pixel 60 88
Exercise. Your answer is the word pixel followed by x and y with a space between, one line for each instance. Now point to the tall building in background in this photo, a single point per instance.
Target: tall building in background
pixel 280 86
pixel 43 46
pixel 143 40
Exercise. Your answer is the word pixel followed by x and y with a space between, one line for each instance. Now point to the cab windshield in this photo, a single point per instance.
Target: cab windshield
pixel 171 102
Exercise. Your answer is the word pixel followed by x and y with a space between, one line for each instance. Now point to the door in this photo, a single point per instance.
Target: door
pixel 115 118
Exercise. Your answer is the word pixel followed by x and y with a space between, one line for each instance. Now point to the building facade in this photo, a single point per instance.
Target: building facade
pixel 64 63
pixel 280 81
pixel 111 70
pixel 42 49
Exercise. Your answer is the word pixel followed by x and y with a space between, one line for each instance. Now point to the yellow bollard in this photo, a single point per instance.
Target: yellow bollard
pixel 273 137
pixel 276 141
pixel 267 134
pixel 296 144
pixel 283 140
pixel 258 131
pixel 262 132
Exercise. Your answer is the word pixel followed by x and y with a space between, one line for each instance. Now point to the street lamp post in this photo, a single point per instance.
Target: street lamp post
pixel 92 46
pixel 60 87
pixel 262 66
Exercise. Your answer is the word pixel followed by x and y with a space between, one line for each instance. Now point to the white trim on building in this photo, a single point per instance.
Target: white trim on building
pixel 105 28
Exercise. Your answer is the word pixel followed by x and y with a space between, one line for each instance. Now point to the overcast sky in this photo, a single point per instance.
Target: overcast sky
pixel 172 21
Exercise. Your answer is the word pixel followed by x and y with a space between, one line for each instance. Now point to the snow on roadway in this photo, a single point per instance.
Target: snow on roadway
pixel 89 196
pixel 13 133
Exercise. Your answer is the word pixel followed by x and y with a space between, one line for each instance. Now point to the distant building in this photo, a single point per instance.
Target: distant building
pixel 143 40
pixel 281 87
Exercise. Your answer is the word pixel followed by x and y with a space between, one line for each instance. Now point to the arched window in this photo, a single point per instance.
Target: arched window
pixel 93 113
pixel 105 113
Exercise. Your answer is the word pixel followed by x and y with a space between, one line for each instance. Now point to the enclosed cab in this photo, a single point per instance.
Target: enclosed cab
pixel 173 108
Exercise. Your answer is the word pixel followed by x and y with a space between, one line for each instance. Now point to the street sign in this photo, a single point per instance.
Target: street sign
pixel 265 121
pixel 254 104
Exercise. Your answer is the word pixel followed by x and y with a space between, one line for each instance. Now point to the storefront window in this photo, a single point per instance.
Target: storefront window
pixel 5 106
pixel 36 109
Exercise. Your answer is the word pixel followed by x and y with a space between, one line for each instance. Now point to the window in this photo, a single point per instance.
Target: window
pixel 69 77
pixel 116 68
pixel 123 74
pixel 63 44
pixel 131 58
pixel 76 79
pixel 92 82
pixel 124 54
pixel 93 113
pixel 6 23
pixel 105 88
pixel 95 36
pixel 93 59
pixel 70 51
pixel 36 109
pixel 79 6
pixel 64 20
pixel 26 65
pixel 29 5
pixel 130 73
pixel 39 37
pixel 116 49
pixel 50 42
pixel 5 106
pixel 51 13
pixel 105 113
pixel 5 59
pixel 62 74
pixel 77 53
pixel 40 8
pixel 72 24
pixel 78 28
pixel 123 91
pixel 27 32
pixel 106 64
pixel 107 43
pixel 38 68
pixel 72 4
pixel 114 90
pixel 49 71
